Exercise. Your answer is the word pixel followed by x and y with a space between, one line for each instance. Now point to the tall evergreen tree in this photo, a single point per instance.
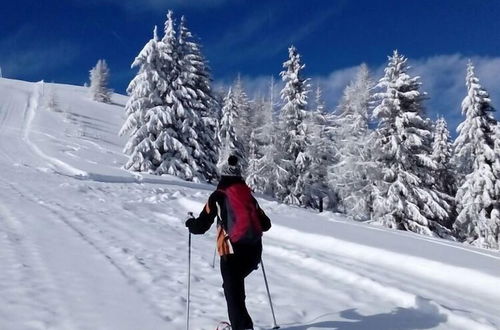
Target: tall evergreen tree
pixel 99 77
pixel 253 179
pixel 445 173
pixel 243 126
pixel 496 165
pixel 442 152
pixel 255 144
pixel 146 92
pixel 219 96
pixel 464 146
pixel 478 197
pixel 258 116
pixel 293 129
pixel 173 124
pixel 171 111
pixel 197 94
pixel 495 213
pixel 405 198
pixel 320 151
pixel 266 136
pixel 352 173
pixel 230 142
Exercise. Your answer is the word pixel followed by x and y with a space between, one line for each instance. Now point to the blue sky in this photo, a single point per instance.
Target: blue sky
pixel 61 40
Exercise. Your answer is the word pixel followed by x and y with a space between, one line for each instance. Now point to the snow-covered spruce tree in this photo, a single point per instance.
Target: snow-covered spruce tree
pixel 257 115
pixel 442 152
pixel 254 151
pixel 404 198
pixel 478 198
pixel 445 173
pixel 352 173
pixel 320 151
pixel 99 77
pixel 268 156
pixel 169 139
pixel 172 124
pixel 243 126
pixel 496 165
pixel 230 143
pixel 253 179
pixel 195 93
pixel 495 213
pixel 146 92
pixel 464 148
pixel 293 140
pixel 219 96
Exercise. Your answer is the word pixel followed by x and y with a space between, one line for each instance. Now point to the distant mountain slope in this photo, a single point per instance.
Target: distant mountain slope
pixel 87 245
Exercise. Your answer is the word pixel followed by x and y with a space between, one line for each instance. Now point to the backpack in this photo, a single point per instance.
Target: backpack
pixel 242 216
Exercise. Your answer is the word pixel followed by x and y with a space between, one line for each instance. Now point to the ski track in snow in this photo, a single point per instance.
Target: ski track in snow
pixel 96 247
pixel 22 264
pixel 371 282
pixel 432 240
pixel 5 115
pixel 29 115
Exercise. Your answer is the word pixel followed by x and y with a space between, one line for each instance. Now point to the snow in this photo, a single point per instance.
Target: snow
pixel 85 244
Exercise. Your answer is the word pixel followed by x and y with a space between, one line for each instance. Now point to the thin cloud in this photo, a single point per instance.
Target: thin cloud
pixel 304 30
pixel 259 36
pixel 250 27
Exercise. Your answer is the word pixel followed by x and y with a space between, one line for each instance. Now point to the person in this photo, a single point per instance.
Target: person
pixel 240 223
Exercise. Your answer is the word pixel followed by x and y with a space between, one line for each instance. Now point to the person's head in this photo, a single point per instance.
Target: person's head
pixel 231 168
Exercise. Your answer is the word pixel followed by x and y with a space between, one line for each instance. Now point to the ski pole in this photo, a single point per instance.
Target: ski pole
pixel 215 250
pixel 213 260
pixel 276 326
pixel 189 277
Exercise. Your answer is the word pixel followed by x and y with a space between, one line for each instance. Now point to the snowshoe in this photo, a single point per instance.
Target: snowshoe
pixel 223 326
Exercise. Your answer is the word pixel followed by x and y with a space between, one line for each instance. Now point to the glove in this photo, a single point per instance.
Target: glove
pixel 189 222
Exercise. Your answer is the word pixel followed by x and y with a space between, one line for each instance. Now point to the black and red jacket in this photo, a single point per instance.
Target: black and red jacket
pixel 216 207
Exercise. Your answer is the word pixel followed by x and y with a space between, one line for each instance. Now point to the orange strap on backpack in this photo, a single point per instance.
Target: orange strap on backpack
pixel 224 246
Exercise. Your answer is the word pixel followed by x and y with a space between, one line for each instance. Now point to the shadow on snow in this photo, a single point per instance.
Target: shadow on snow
pixel 424 316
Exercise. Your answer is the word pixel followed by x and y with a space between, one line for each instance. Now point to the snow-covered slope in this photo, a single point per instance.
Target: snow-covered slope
pixel 87 245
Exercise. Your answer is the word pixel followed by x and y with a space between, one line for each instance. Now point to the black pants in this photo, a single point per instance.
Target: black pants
pixel 234 269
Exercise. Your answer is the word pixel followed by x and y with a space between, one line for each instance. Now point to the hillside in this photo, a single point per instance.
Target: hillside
pixel 87 245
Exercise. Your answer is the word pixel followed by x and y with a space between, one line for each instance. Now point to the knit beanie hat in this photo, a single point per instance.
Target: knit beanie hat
pixel 232 168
